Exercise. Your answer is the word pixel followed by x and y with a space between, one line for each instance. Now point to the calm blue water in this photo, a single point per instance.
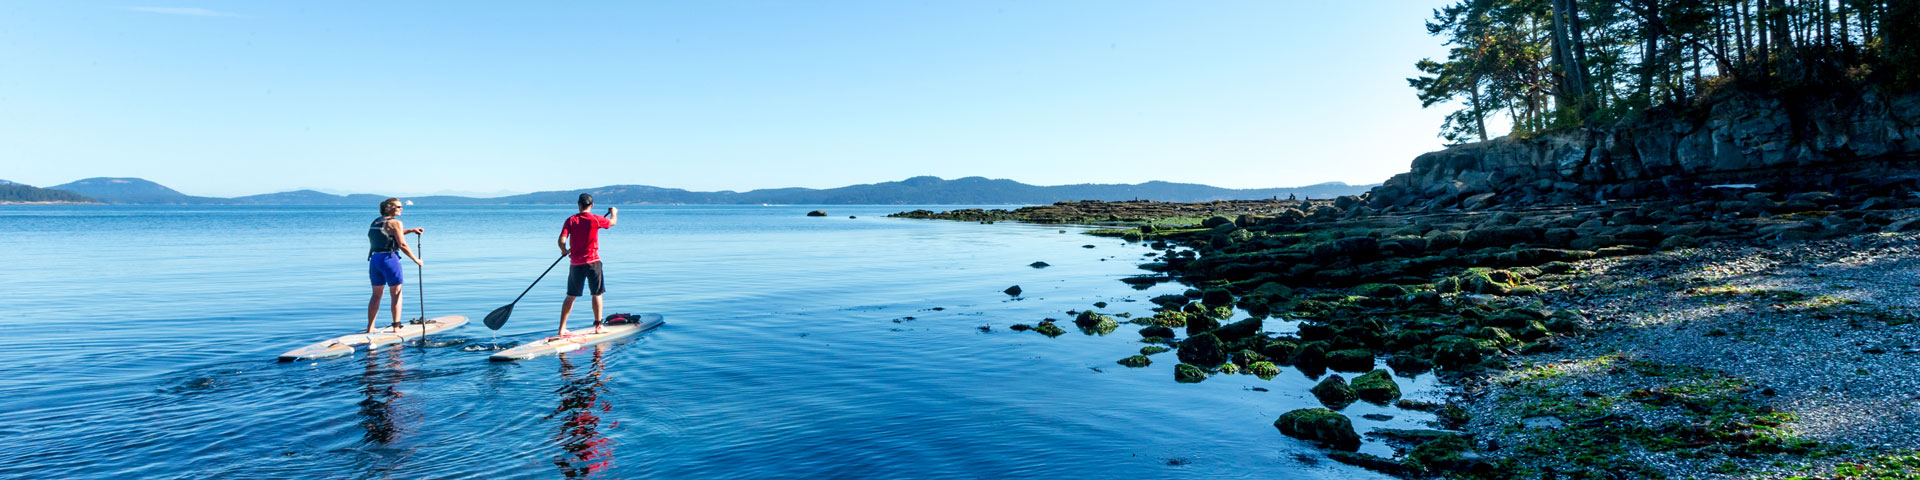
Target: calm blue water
pixel 140 342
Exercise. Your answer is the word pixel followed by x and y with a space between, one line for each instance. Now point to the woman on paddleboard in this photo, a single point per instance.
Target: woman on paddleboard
pixel 387 241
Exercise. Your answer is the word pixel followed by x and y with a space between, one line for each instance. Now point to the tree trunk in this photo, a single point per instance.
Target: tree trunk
pixel 1741 34
pixel 1573 86
pixel 1479 113
pixel 1760 33
pixel 1650 52
pixel 1782 30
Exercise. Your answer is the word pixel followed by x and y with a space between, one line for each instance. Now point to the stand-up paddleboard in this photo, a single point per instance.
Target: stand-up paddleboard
pixel 382 336
pixel 608 332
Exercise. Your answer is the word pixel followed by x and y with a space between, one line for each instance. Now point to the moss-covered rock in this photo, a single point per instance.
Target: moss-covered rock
pixel 1264 370
pixel 1311 354
pixel 1566 321
pixel 1376 386
pixel 1156 331
pixel 1136 361
pixel 1216 296
pixel 1095 323
pixel 1448 454
pixel 1409 364
pixel 1203 349
pixel 1454 352
pixel 1481 280
pixel 1350 360
pixel 1228 368
pixel 1198 324
pixel 1185 373
pixel 1319 425
pixel 1049 329
pixel 1279 350
pixel 1244 357
pixel 1499 337
pixel 1153 350
pixel 1237 331
pixel 1171 319
pixel 1334 392
pixel 1381 290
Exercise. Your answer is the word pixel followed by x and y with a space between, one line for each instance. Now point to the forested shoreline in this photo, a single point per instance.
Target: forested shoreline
pixel 17 193
pixel 1560 65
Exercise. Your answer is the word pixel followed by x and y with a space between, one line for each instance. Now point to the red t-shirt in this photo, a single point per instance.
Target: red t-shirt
pixel 585 228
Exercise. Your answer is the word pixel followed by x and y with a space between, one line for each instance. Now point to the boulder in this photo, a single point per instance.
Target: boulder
pixel 1409 364
pixel 1185 373
pixel 1264 370
pixel 1013 290
pixel 1453 352
pixel 1319 425
pixel 1094 322
pixel 817 213
pixel 1201 323
pixel 1156 331
pixel 1311 354
pixel 1334 392
pixel 1279 350
pixel 1049 329
pixel 1376 386
pixel 1216 296
pixel 1237 331
pixel 1136 361
pixel 1203 349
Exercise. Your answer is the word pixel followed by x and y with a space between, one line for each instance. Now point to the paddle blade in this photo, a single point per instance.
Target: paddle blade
pixel 499 317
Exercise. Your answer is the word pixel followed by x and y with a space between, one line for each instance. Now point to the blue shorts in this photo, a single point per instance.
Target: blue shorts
pixel 384 269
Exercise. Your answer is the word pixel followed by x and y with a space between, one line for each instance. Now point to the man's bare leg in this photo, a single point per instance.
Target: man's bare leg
pixel 566 308
pixel 396 306
pixel 597 316
pixel 373 308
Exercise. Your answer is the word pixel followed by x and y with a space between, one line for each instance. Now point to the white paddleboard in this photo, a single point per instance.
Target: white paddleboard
pixel 584 337
pixel 344 344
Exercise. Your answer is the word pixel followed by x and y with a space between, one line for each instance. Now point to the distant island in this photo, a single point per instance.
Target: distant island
pixel 925 190
pixel 13 192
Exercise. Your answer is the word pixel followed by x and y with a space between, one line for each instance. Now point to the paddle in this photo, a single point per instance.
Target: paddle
pixel 499 316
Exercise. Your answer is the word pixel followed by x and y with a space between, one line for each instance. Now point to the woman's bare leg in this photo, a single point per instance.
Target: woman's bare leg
pixel 373 308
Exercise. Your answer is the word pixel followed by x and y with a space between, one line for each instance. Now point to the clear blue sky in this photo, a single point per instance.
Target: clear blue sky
pixel 229 98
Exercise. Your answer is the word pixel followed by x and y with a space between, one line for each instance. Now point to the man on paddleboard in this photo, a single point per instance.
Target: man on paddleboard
pixel 584 262
pixel 388 240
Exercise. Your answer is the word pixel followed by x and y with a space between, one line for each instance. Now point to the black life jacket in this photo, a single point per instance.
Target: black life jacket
pixel 378 240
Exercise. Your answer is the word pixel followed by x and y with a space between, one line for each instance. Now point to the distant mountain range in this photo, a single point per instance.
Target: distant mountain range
pixel 912 191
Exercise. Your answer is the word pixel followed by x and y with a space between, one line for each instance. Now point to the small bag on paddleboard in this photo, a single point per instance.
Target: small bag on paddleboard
pixel 619 318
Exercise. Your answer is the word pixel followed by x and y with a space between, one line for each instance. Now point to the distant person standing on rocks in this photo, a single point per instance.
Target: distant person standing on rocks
pixel 584 230
pixel 387 241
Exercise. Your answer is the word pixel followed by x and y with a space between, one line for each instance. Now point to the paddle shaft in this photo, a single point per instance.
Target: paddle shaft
pixel 499 316
pixel 536 281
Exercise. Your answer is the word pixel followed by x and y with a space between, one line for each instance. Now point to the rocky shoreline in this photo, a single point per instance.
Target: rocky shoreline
pixel 1724 333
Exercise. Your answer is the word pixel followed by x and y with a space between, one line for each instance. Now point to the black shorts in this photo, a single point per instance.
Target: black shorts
pixel 589 274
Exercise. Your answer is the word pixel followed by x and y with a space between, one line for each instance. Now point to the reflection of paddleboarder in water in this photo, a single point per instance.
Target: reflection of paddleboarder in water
pixel 380 386
pixel 586 450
